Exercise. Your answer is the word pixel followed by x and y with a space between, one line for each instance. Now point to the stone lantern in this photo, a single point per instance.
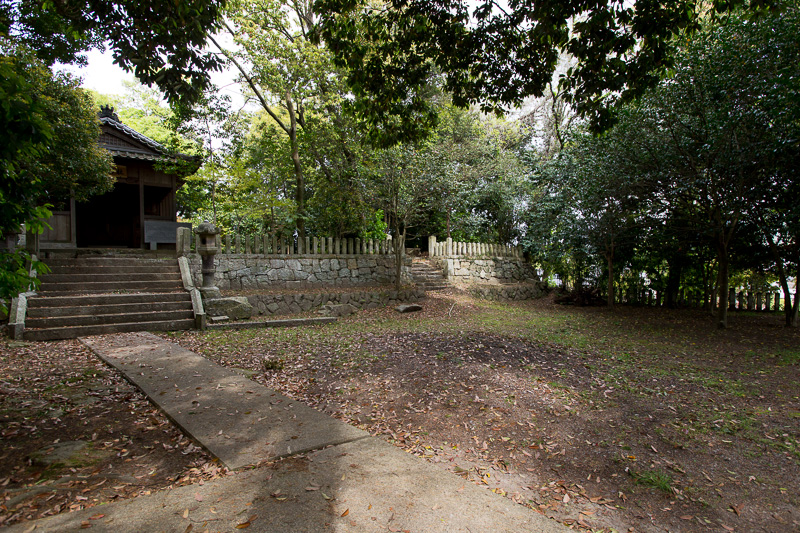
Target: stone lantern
pixel 207 248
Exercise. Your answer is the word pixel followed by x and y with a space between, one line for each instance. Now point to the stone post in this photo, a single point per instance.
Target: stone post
pixel 750 301
pixel 449 247
pixel 767 302
pixel 207 248
pixel 358 246
pixel 777 302
pixel 307 245
pixel 228 248
pixel 329 248
pixel 758 301
pixel 183 241
pixel 431 245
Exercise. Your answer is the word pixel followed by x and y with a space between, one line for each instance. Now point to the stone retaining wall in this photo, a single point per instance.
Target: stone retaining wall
pixel 507 292
pixel 284 304
pixel 485 271
pixel 251 271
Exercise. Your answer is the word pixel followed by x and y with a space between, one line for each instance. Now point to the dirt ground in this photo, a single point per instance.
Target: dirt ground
pixel 75 435
pixel 627 420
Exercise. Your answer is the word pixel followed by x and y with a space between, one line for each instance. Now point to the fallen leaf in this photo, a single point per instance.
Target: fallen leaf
pixel 686 517
pixel 346 512
pixel 565 499
pixel 188 528
pixel 198 497
pixel 186 513
pixel 96 517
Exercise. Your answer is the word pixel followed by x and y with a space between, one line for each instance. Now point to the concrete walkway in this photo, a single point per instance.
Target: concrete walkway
pixel 343 481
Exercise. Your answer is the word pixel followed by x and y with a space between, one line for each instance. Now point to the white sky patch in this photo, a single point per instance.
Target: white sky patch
pixel 101 74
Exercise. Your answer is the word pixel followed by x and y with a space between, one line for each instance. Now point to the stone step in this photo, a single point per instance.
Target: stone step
pixel 104 329
pixel 109 261
pixel 167 268
pixel 101 292
pixel 103 277
pixel 98 319
pixel 109 286
pixel 106 309
pixel 107 299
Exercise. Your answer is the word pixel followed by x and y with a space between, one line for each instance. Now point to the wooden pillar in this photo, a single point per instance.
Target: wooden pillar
pixel 141 212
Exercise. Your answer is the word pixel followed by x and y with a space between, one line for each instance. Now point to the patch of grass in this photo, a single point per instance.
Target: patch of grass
pixel 654 478
pixel 273 365
pixel 787 357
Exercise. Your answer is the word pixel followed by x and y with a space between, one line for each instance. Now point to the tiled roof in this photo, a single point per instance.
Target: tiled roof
pixel 147 141
pixel 131 152
pixel 139 155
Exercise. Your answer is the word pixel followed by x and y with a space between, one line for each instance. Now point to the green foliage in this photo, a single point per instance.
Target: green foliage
pixel 496 57
pixel 376 228
pixel 695 176
pixel 50 151
pixel 14 274
pixel 52 140
pixel 161 42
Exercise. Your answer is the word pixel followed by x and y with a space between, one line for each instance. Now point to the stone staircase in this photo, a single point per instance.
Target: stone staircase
pixel 427 276
pixel 91 295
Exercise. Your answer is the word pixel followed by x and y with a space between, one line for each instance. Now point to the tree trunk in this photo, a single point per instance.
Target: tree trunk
pixel 610 287
pixel 399 252
pixel 722 283
pixel 674 281
pixel 300 193
pixel 789 307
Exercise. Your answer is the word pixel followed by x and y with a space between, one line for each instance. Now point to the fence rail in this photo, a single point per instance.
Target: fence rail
pixel 265 244
pixel 738 300
pixel 451 248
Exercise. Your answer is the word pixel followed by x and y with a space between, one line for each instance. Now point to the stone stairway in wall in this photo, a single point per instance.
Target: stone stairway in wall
pixel 95 295
pixel 427 276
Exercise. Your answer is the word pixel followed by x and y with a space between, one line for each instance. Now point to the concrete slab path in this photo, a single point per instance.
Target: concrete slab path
pixel 234 418
pixel 332 478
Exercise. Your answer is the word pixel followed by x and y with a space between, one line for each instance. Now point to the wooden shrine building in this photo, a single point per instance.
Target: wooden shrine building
pixel 140 211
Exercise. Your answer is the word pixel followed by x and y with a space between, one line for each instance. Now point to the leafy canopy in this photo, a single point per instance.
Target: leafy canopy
pixel 496 56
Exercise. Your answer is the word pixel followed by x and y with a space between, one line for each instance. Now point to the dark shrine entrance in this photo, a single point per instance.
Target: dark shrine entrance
pixel 110 220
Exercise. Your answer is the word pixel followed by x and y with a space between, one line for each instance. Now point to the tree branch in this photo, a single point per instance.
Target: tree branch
pixel 249 79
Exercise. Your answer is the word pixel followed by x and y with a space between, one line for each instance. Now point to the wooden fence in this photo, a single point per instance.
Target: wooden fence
pixel 264 244
pixel 451 248
pixel 738 299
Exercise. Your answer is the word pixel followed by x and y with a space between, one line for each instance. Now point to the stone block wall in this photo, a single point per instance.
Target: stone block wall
pixel 508 292
pixel 490 271
pixel 284 304
pixel 257 271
